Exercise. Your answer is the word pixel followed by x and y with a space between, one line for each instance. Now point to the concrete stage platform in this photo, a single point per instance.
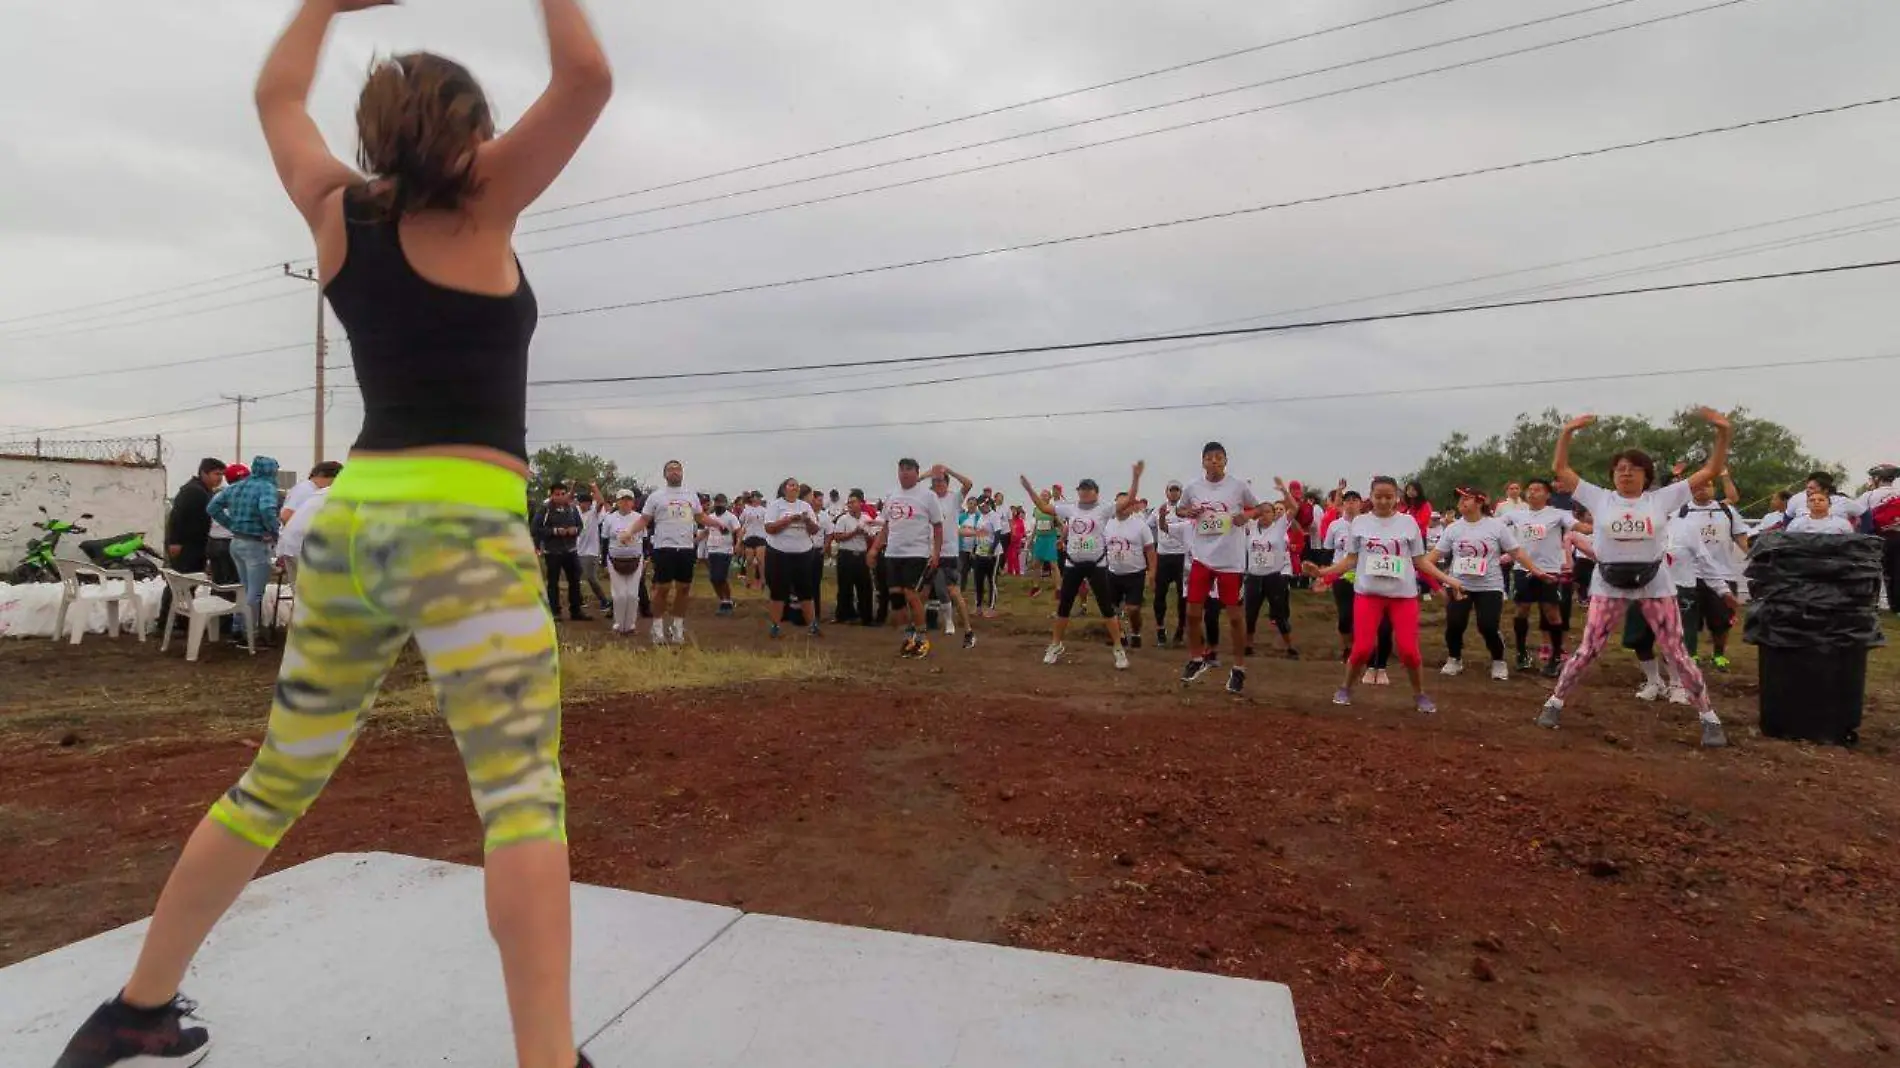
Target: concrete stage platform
pixel 376 960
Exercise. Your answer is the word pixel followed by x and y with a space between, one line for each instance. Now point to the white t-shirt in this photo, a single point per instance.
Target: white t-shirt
pixel 1218 540
pixel 1717 525
pixel 1875 497
pixel 1338 537
pixel 1085 529
pixel 614 524
pixel 1837 506
pixel 673 512
pixel 1388 551
pixel 290 539
pixel 854 533
pixel 990 526
pixel 752 522
pixel 719 536
pixel 1771 521
pixel 1807 524
pixel 1631 532
pixel 1689 558
pixel 1476 552
pixel 1540 531
pixel 908 516
pixel 1507 507
pixel 1267 550
pixel 299 494
pixel 1128 541
pixel 795 538
pixel 1168 542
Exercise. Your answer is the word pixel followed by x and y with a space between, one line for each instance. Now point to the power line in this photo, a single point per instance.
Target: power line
pixel 140 368
pixel 168 412
pixel 1233 213
pixel 1195 98
pixel 1311 324
pixel 860 142
pixel 32 333
pixel 189 313
pixel 136 296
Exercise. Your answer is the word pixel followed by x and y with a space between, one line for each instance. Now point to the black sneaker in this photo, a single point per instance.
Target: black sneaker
pixel 1554 669
pixel 969 639
pixel 1196 668
pixel 1524 663
pixel 1134 642
pixel 1236 680
pixel 1161 640
pixel 117 1033
pixel 581 617
pixel 1292 653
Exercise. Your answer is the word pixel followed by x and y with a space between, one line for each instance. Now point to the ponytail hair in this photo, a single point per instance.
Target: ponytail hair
pixel 419 121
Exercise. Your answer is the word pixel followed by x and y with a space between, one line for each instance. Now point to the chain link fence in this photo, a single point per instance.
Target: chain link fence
pixel 129 452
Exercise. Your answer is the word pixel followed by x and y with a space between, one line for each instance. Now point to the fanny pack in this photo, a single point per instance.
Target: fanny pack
pixel 1629 576
pixel 625 565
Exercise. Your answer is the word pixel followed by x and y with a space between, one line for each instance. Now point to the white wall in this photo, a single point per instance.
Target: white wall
pixel 121 499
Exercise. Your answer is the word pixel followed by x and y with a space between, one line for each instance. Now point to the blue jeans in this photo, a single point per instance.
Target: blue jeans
pixel 253 559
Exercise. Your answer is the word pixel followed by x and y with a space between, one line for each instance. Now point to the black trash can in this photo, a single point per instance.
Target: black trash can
pixel 1814 615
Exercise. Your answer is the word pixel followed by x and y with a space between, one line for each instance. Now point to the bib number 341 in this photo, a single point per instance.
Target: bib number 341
pixel 1384 566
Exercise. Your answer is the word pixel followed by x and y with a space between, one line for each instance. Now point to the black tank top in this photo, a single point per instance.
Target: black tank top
pixel 437 366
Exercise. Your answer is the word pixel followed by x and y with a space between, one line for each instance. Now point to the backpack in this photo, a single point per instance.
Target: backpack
pixel 1727 510
pixel 1885 516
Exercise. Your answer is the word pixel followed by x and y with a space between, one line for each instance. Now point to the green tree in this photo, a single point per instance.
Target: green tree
pixel 1766 456
pixel 565 463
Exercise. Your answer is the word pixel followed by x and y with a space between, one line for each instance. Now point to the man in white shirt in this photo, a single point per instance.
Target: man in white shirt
pixel 850 537
pixel 1215 507
pixel 912 542
pixel 676 514
pixel 1724 538
pixel 947 585
pixel 592 543
pixel 321 478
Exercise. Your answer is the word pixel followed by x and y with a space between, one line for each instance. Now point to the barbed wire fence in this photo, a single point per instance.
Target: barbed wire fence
pixel 128 452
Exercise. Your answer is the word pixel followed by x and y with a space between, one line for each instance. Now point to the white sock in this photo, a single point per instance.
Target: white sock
pixel 1710 717
pixel 1652 670
pixel 1555 702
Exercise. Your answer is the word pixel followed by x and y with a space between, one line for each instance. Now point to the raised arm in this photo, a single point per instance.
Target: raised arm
pixel 962 480
pixel 1038 498
pixel 1718 456
pixel 517 167
pixel 305 165
pixel 1566 476
pixel 1127 507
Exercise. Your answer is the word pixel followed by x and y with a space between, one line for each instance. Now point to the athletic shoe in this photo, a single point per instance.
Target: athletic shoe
pixel 1236 680
pixel 1369 678
pixel 1121 659
pixel 1551 716
pixel 581 617
pixel 1161 640
pixel 1453 667
pixel 923 648
pixel 1723 663
pixel 659 632
pixel 1713 736
pixel 815 632
pixel 909 651
pixel 1249 650
pixel 1678 695
pixel 1134 642
pixel 1196 668
pixel 950 627
pixel 1553 669
pixel 775 632
pixel 679 632
pixel 1524 662
pixel 1382 679
pixel 117 1033
pixel 1650 691
pixel 1425 705
pixel 969 639
pixel 1292 653
pixel 1342 696
pixel 1499 672
pixel 1053 654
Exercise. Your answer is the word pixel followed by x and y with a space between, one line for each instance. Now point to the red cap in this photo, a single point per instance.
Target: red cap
pixel 236 472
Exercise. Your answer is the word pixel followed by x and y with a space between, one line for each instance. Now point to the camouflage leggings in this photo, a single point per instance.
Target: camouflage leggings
pixel 460 580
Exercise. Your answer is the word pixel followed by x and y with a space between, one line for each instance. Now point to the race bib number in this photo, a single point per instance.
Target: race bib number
pixel 1536 531
pixel 1471 566
pixel 1631 526
pixel 678 511
pixel 1383 566
pixel 984 547
pixel 1086 547
pixel 1267 561
pixel 1214 525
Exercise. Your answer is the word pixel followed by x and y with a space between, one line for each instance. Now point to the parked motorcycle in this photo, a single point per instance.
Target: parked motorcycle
pixel 39 563
pixel 124 552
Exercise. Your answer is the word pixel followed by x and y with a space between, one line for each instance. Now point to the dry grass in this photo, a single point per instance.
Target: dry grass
pixel 594 671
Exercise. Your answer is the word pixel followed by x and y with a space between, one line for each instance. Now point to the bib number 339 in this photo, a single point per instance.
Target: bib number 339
pixel 1214 525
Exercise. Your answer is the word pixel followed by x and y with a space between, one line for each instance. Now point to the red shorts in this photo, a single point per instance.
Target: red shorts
pixel 1202 578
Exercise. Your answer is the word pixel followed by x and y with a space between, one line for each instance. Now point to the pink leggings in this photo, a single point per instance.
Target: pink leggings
pixel 1665 621
pixel 1370 609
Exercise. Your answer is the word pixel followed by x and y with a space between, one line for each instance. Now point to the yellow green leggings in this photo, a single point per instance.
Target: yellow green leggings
pixel 462 581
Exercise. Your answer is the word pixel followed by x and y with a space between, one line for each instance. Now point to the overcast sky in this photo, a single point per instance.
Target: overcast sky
pixel 132 162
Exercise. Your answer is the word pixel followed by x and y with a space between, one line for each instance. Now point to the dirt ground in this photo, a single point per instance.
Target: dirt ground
pixel 1463 890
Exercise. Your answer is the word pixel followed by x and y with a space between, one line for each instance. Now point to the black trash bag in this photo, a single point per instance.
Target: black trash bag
pixel 1815 591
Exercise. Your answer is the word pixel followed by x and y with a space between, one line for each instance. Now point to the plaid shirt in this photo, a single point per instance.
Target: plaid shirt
pixel 248 509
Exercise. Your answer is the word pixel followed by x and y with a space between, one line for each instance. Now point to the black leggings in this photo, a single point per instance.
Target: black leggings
pixel 1171 571
pixel 985 568
pixel 1489 605
pixel 1096 575
pixel 1275 592
pixel 1343 594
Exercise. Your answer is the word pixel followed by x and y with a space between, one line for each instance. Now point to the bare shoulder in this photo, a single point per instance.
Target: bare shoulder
pixel 332 235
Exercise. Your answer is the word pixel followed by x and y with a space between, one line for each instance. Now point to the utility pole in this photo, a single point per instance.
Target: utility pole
pixel 323 353
pixel 241 400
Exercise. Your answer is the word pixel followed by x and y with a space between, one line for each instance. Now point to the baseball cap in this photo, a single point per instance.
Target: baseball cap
pixel 1175 483
pixel 1086 484
pixel 624 495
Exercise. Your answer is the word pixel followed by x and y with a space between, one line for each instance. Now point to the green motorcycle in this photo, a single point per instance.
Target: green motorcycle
pixel 39 564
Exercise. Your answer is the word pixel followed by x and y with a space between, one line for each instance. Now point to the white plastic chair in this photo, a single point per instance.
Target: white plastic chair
pixel 195 598
pixel 84 585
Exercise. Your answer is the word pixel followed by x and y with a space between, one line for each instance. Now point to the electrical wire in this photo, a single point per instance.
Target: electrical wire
pixel 1243 402
pixel 136 296
pixel 1177 102
pixel 140 368
pixel 168 412
pixel 940 124
pixel 32 333
pixel 186 314
pixel 1234 213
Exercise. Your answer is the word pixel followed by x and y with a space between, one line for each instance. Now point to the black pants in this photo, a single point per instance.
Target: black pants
pixel 985 568
pixel 1893 571
pixel 854 590
pixel 1275 591
pixel 1489 604
pixel 1095 574
pixel 218 563
pixel 1171 571
pixel 882 580
pixel 789 575
pixel 815 565
pixel 558 564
